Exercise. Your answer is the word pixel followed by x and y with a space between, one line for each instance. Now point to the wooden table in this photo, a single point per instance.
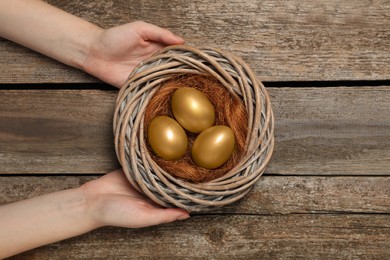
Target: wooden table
pixel 326 192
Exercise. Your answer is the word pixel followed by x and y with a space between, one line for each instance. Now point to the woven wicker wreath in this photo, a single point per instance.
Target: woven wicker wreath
pixel 130 144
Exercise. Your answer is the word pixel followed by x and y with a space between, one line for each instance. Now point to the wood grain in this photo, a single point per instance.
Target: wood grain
pixel 270 195
pixel 298 40
pixel 365 236
pixel 331 130
pixel 59 131
pixel 326 192
pixel 320 131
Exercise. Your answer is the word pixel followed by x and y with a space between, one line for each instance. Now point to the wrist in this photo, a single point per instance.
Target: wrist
pixel 48 30
pixel 93 203
pixel 84 208
pixel 85 42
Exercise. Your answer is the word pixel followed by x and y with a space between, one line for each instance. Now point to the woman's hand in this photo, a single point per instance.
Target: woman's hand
pixel 112 201
pixel 116 51
pixel 107 201
pixel 109 55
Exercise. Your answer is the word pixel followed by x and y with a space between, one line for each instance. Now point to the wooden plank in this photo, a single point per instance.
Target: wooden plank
pixel 271 194
pixel 243 237
pixel 331 131
pixel 59 131
pixel 338 130
pixel 301 40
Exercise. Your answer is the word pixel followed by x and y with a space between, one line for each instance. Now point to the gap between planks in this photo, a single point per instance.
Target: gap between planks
pixel 271 194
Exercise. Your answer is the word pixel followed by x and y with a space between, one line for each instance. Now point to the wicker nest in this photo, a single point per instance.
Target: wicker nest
pixel 130 144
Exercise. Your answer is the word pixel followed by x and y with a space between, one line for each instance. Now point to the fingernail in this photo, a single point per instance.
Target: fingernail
pixel 183 217
pixel 179 38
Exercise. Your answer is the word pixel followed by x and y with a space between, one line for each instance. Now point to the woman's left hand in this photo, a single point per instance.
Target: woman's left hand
pixel 118 50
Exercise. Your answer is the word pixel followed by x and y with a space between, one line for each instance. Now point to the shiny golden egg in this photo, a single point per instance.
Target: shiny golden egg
pixel 167 138
pixel 192 109
pixel 213 147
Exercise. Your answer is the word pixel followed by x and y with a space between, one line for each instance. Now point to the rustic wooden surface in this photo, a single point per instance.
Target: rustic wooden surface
pixel 326 192
pixel 282 41
pixel 271 195
pixel 334 130
pixel 236 236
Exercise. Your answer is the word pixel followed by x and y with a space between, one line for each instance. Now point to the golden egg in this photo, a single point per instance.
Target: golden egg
pixel 167 138
pixel 213 147
pixel 192 109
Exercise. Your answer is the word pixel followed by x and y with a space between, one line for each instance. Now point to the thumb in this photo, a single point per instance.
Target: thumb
pixel 150 32
pixel 156 216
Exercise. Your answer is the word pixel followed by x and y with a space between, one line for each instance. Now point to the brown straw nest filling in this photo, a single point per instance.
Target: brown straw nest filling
pixel 229 111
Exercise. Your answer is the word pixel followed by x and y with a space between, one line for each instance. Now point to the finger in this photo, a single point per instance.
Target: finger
pixel 150 32
pixel 122 211
pixel 156 216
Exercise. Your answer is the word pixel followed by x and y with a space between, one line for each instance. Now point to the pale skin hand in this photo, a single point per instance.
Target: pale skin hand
pixel 107 201
pixel 113 201
pixel 118 50
pixel 110 55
